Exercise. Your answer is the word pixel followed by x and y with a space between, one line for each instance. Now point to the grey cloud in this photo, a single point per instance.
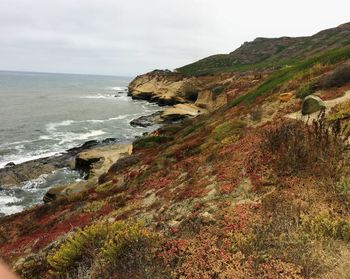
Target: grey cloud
pixel 130 37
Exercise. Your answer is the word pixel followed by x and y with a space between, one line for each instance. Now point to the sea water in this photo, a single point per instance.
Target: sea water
pixel 42 114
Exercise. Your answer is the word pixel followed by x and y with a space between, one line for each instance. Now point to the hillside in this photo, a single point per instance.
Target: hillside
pixel 251 189
pixel 268 53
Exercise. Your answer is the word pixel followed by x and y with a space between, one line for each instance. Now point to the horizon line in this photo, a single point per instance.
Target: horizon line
pixel 65 73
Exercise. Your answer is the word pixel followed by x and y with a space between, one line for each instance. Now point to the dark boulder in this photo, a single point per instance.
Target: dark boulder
pixel 147 120
pixel 312 104
pixel 9 165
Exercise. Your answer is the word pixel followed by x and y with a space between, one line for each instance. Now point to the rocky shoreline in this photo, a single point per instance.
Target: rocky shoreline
pixel 15 174
pixel 92 159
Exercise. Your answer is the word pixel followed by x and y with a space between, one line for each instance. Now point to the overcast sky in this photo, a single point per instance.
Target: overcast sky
pixel 129 37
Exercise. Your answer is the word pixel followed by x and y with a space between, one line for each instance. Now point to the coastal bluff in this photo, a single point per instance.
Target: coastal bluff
pixel 208 92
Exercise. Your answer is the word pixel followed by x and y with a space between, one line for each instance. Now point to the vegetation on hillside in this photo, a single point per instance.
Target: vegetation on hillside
pixel 289 72
pixel 271 53
pixel 242 192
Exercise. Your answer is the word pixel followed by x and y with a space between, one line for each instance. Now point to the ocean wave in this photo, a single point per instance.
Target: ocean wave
pixel 28 193
pixel 7 201
pixel 7 144
pixel 12 209
pixel 32 185
pixel 99 96
pixel 71 137
pixel 21 158
pixel 51 127
pixel 117 88
pixel 120 117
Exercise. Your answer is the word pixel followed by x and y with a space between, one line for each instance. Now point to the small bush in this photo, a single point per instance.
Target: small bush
pixel 340 112
pixel 218 90
pixel 193 128
pixel 94 206
pixel 79 248
pixel 324 225
pixel 256 113
pixel 103 249
pixel 338 77
pixel 319 149
pixel 343 187
pixel 150 141
pixel 307 89
pixel 229 129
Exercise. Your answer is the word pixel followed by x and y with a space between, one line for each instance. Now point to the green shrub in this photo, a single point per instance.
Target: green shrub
pixel 193 128
pixel 338 77
pixel 94 206
pixel 103 249
pixel 288 72
pixel 343 187
pixel 339 112
pixel 150 141
pixel 80 247
pixel 231 128
pixel 325 225
pixel 218 90
pixel 306 89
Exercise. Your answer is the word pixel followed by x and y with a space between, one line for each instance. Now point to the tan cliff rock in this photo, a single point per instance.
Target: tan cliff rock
pixel 211 101
pixel 206 92
pixel 94 162
pixel 165 88
pixel 180 111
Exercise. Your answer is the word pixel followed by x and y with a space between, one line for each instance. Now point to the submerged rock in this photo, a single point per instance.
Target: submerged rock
pixel 312 104
pixel 9 165
pixel 147 120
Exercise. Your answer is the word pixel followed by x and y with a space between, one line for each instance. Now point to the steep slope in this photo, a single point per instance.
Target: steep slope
pixel 242 192
pixel 266 52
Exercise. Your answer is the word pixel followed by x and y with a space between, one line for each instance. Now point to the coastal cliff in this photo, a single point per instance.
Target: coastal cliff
pixel 256 187
pixel 206 92
pixel 163 87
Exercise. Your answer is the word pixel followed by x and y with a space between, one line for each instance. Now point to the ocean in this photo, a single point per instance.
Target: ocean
pixel 43 114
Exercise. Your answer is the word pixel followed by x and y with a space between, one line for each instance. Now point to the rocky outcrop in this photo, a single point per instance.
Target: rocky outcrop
pixel 15 174
pixel 162 87
pixel 210 100
pixel 94 162
pixel 312 104
pixel 147 120
pixel 181 111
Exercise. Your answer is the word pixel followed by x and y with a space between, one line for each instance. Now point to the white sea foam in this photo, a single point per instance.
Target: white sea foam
pixel 99 96
pixel 8 199
pixel 120 117
pixel 6 207
pixel 117 88
pixel 27 157
pixel 7 144
pixel 71 137
pixel 32 185
pixel 50 127
pixel 7 210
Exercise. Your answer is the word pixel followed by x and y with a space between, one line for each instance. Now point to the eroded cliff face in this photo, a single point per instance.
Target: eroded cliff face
pixel 206 92
pixel 163 87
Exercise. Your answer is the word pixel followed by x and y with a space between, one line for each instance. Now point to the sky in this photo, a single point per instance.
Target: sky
pixel 130 37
